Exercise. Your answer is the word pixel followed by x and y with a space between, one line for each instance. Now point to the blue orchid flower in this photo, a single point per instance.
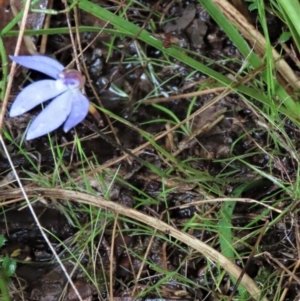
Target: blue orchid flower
pixel 69 105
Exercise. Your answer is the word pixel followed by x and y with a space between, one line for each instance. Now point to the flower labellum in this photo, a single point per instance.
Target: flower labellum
pixel 68 106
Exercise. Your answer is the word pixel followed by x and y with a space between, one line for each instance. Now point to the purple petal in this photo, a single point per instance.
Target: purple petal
pixel 39 63
pixel 52 117
pixel 35 94
pixel 79 110
pixel 72 78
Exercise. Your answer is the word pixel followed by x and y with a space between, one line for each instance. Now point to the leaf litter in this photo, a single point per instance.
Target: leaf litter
pixel 210 142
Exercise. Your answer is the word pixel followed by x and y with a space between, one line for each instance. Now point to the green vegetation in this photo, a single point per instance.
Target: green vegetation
pixel 235 194
pixel 7 269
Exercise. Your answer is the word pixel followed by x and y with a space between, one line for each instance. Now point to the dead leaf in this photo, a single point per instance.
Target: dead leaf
pixel 8 10
pixel 187 15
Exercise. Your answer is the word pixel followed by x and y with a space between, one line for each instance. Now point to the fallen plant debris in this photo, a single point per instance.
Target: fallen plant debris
pixel 188 188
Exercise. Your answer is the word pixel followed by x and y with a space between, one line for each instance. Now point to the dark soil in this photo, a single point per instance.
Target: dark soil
pixel 39 277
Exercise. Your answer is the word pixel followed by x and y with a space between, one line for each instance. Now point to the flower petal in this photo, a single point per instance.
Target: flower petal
pixel 51 117
pixel 39 63
pixel 35 94
pixel 79 110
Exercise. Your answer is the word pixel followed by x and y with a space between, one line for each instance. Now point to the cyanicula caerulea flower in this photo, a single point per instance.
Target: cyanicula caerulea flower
pixel 69 105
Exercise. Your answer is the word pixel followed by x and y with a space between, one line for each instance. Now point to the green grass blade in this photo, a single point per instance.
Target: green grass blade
pixel 253 59
pixel 175 52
